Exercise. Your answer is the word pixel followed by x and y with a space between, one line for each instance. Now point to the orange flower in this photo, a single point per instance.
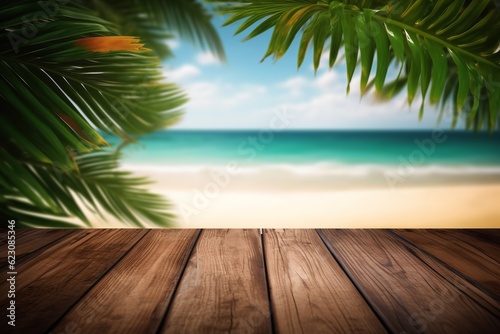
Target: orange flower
pixel 111 43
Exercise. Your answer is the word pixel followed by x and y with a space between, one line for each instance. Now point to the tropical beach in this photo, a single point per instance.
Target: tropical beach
pixel 331 114
pixel 250 166
pixel 320 179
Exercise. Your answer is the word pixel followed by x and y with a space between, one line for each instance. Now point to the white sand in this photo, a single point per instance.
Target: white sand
pixel 430 207
pixel 460 206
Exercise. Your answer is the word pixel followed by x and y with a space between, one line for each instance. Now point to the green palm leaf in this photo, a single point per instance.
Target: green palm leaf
pixel 45 195
pixel 63 83
pixel 76 90
pixel 132 19
pixel 155 20
pixel 432 41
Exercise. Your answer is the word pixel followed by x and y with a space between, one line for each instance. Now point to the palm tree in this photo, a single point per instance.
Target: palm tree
pixel 448 51
pixel 71 71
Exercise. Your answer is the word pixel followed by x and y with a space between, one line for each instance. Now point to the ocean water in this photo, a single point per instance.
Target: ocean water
pixel 317 159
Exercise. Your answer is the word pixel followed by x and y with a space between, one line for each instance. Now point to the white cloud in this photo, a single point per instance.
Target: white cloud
pixel 183 72
pixel 295 85
pixel 207 58
pixel 173 44
pixel 318 102
pixel 219 95
pixel 328 80
pixel 219 104
pixel 295 82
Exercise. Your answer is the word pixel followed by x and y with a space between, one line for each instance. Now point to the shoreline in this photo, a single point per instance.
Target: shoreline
pixel 422 207
pixel 436 206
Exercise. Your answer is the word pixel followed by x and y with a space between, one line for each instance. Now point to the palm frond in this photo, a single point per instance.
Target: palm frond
pixel 65 76
pixel 434 43
pixel 190 19
pixel 155 21
pixel 45 195
pixel 75 88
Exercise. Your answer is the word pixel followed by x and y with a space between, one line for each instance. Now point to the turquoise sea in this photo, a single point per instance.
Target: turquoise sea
pixel 322 158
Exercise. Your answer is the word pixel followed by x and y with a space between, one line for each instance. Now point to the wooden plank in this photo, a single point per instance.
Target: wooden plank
pixel 133 297
pixel 483 298
pixel 48 284
pixel 475 258
pixel 488 241
pixel 409 295
pixel 309 290
pixel 29 241
pixel 223 289
pixel 488 233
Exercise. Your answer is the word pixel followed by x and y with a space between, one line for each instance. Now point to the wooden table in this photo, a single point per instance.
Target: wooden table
pixel 242 281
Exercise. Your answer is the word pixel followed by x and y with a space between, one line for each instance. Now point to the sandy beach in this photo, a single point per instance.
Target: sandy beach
pixel 321 179
pixel 426 207
pixel 449 206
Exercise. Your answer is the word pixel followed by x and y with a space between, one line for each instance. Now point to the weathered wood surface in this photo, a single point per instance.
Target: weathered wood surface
pixel 223 289
pixel 134 296
pixel 467 286
pixel 405 292
pixel 284 281
pixel 476 258
pixel 310 293
pixel 50 283
pixel 29 241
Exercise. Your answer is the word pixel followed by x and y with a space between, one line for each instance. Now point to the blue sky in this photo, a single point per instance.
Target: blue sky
pixel 244 93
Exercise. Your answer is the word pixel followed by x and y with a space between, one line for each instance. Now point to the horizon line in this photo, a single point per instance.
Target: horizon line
pixel 316 129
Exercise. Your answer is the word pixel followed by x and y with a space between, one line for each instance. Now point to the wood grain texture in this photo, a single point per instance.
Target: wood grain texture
pixel 475 257
pixel 491 234
pixel 310 293
pixel 467 286
pixel 48 284
pixel 29 241
pixel 409 295
pixel 223 289
pixel 144 281
pixel 134 296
